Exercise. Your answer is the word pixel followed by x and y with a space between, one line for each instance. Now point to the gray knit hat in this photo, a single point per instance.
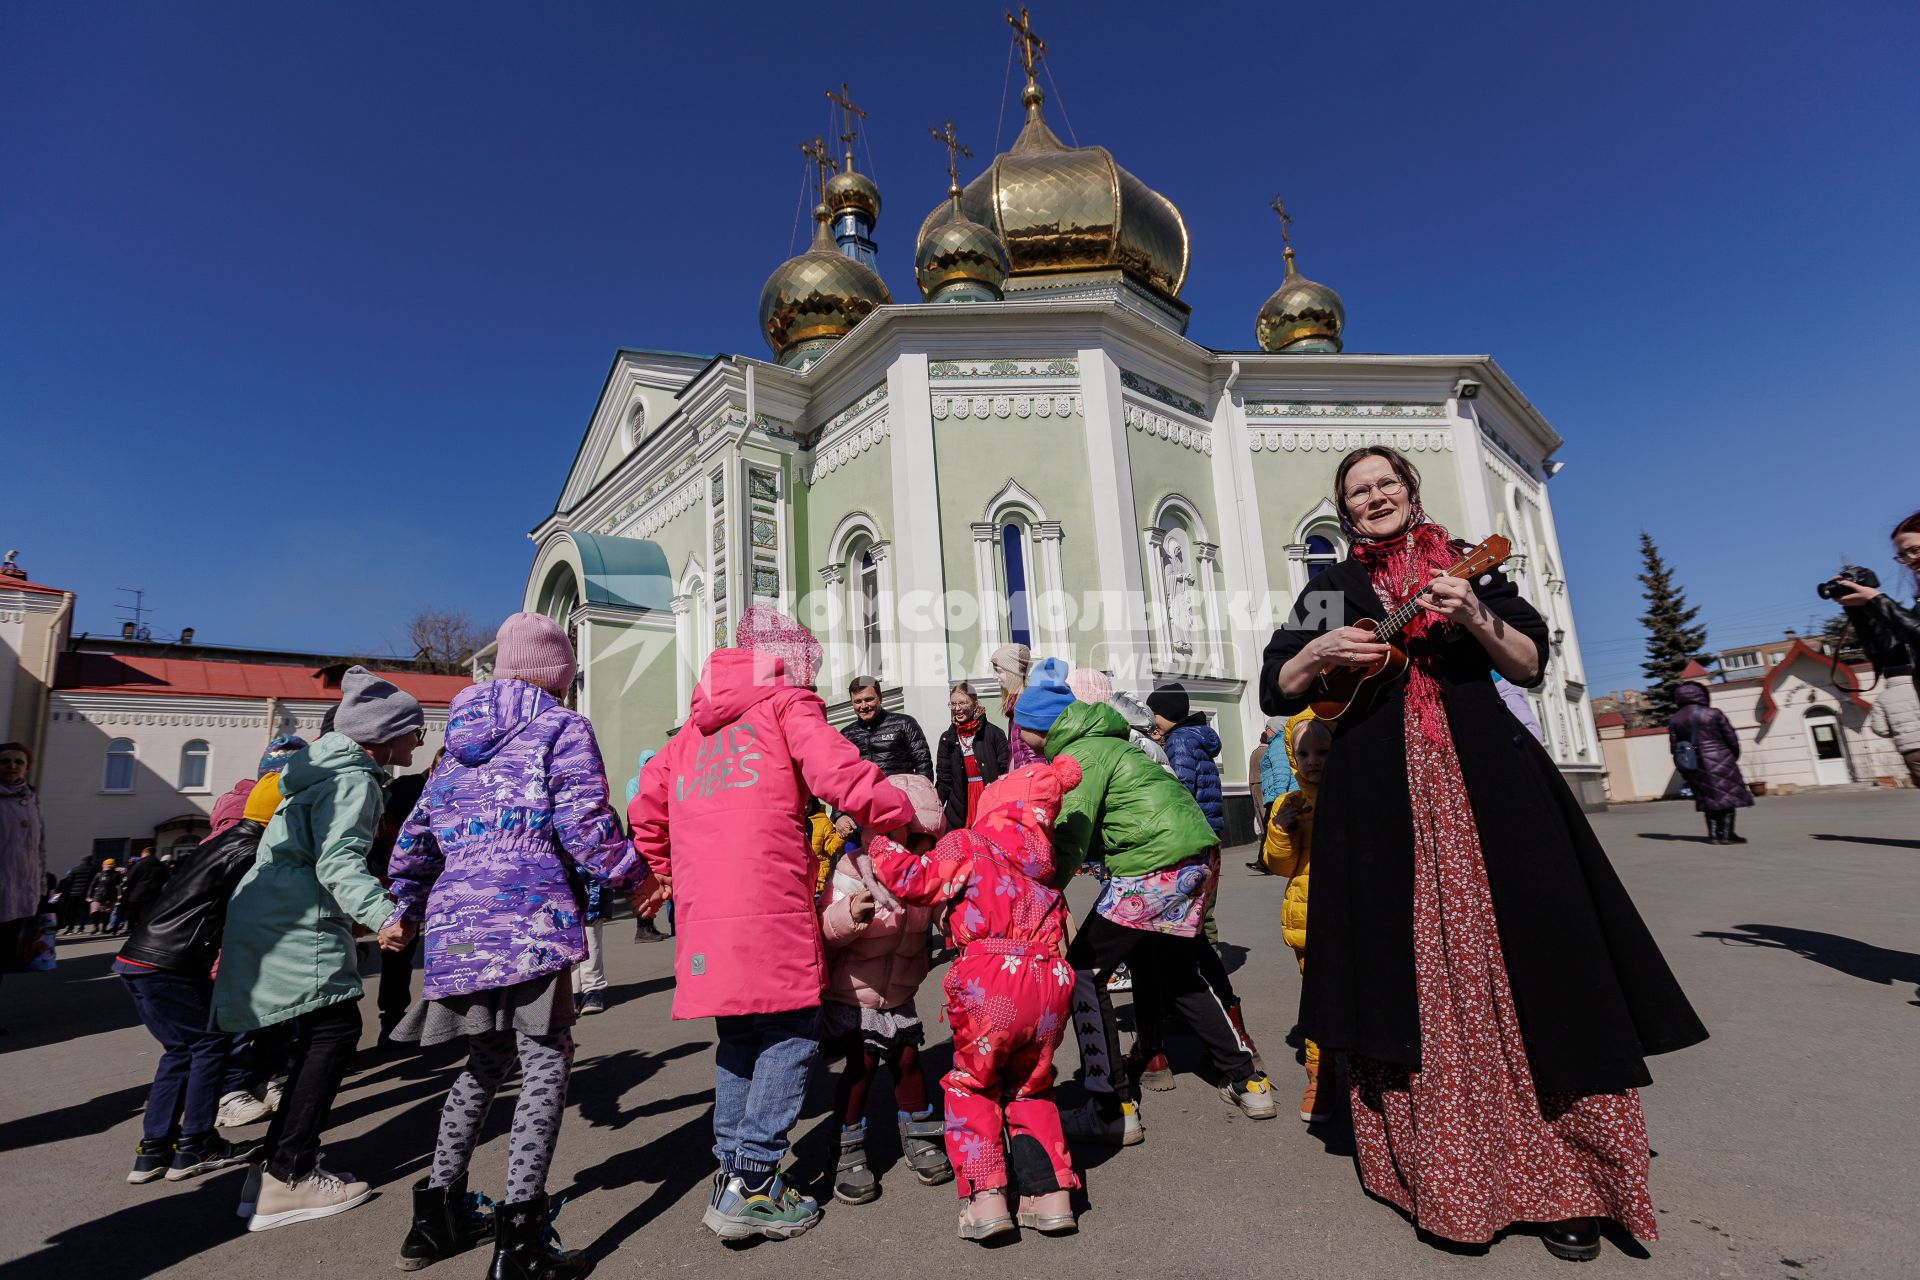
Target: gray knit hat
pixel 373 710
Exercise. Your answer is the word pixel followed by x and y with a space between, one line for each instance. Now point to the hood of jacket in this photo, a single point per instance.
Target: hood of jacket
pixel 1085 720
pixel 735 681
pixel 332 755
pixel 1288 734
pixel 1691 694
pixel 486 717
pixel 1202 735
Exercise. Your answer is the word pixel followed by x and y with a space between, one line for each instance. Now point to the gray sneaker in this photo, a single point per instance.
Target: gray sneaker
pixel 1254 1097
pixel 777 1212
pixel 1089 1123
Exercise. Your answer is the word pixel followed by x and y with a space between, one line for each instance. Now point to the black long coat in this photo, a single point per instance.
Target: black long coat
pixel 990 750
pixel 1593 993
pixel 1717 784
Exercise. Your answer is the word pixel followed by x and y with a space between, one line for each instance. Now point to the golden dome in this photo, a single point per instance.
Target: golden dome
pixel 849 190
pixel 1302 315
pixel 960 259
pixel 817 297
pixel 1058 208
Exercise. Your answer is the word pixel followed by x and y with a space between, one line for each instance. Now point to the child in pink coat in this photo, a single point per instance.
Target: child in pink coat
pixel 720 818
pixel 1007 996
pixel 876 960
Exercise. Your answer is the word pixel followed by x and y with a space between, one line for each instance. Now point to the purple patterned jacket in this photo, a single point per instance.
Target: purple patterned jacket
pixel 485 857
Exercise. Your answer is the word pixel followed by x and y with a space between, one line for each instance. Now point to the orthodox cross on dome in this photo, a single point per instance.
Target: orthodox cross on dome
pixel 1279 207
pixel 816 151
pixel 848 114
pixel 1032 47
pixel 955 149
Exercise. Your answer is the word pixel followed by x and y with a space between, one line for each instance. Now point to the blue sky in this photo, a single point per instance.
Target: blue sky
pixel 303 309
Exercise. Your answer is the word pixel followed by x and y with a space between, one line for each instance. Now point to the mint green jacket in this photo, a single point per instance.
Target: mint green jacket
pixel 1127 810
pixel 288 947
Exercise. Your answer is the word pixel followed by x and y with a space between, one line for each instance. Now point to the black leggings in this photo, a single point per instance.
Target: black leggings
pixel 323 1046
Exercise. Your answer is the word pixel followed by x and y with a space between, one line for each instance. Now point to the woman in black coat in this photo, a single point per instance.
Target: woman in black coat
pixel 970 735
pixel 1718 789
pixel 1493 1054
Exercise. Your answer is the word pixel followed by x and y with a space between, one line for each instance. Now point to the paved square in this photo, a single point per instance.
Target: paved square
pixel 1789 1143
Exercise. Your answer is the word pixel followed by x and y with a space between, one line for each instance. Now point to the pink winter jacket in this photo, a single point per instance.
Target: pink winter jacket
pixel 878 965
pixel 721 810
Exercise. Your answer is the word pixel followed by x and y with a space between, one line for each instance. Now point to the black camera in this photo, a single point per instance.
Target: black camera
pixel 1830 589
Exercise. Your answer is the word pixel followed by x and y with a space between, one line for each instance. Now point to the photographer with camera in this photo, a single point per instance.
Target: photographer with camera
pixel 1890 634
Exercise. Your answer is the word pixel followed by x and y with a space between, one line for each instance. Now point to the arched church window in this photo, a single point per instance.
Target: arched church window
pixel 1013 578
pixel 1321 553
pixel 866 609
pixel 636 423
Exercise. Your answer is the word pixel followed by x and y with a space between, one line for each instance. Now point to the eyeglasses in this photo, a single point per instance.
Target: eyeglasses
pixel 1910 556
pixel 1390 488
pixel 420 736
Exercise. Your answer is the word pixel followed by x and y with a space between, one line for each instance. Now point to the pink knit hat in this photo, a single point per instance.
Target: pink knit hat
pixel 532 647
pixel 929 815
pixel 764 629
pixel 1090 684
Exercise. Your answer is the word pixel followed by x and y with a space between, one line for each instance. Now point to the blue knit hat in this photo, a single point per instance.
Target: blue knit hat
pixel 277 752
pixel 1045 696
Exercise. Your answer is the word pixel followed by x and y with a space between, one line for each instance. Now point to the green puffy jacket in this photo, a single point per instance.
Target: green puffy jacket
pixel 288 947
pixel 1127 810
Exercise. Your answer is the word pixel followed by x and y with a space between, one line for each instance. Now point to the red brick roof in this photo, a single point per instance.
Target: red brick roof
pixel 116 673
pixel 1694 671
pixel 10 583
pixel 1607 719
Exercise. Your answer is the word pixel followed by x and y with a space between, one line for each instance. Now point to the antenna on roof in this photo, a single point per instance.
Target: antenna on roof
pixel 136 627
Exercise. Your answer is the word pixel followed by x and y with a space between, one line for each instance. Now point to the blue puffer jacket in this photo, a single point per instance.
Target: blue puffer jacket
pixel 1193 748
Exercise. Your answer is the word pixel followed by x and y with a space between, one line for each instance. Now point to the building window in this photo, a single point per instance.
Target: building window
pixel 866 611
pixel 115 849
pixel 1013 578
pixel 193 766
pixel 119 771
pixel 1321 553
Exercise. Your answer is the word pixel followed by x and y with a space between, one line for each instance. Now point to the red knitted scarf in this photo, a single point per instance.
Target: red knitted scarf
pixel 1398 568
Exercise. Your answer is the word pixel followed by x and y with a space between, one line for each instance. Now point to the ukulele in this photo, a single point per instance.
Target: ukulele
pixel 1341 691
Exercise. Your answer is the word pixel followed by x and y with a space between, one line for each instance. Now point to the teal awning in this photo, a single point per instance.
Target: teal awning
pixel 631 573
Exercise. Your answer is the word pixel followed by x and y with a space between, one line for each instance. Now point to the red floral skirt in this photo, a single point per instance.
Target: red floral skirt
pixel 1465 1145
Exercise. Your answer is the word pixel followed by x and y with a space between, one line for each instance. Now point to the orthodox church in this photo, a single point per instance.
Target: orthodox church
pixel 1034 452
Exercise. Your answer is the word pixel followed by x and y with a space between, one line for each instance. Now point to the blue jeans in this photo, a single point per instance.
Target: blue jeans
pixel 186 1084
pixel 760 1080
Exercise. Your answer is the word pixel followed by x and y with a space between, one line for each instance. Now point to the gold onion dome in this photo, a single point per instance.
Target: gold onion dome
pixel 1302 315
pixel 817 297
pixel 1058 208
pixel 960 259
pixel 848 190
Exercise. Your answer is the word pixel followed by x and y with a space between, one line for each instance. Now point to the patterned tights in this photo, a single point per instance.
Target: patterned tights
pixel 544 1064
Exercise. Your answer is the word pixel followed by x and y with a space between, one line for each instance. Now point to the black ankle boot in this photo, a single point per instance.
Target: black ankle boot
pixel 1572 1239
pixel 1726 830
pixel 446 1221
pixel 526 1248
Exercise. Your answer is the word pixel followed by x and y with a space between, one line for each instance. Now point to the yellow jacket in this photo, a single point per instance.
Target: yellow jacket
pixel 1292 855
pixel 827 844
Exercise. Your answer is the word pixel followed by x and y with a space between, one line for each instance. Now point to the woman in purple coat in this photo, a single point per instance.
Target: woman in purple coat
pixel 484 859
pixel 1718 789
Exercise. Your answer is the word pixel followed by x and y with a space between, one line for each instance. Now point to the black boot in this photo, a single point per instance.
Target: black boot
pixel 1726 830
pixel 446 1221
pixel 526 1248
pixel 1713 828
pixel 853 1180
pixel 647 931
pixel 923 1144
pixel 1572 1239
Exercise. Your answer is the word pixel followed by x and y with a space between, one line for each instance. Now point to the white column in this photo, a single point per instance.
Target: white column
pixel 987 585
pixel 1159 608
pixel 1204 555
pixel 834 674
pixel 916 530
pixel 1249 582
pixel 1116 551
pixel 1471 468
pixel 891 666
pixel 1046 540
pixel 684 642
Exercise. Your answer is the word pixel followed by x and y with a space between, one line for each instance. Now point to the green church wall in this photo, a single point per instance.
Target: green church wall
pixel 632 692
pixel 861 483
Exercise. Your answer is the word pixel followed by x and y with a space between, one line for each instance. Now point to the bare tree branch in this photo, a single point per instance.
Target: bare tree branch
pixel 447 638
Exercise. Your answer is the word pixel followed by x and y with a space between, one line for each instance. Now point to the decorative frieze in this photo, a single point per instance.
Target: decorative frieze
pixel 1291 440
pixel 871 397
pixel 1005 406
pixel 655 517
pixel 1513 454
pixel 732 417
pixel 1146 421
pixel 1342 409
pixel 1154 391
pixel 849 447
pixel 949 370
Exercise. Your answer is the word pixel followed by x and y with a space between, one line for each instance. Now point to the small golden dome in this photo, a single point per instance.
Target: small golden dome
pixel 1302 315
pixel 961 260
pixel 1058 208
pixel 817 297
pixel 849 190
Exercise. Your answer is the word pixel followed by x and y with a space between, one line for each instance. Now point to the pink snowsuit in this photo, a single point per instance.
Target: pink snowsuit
pixel 1007 994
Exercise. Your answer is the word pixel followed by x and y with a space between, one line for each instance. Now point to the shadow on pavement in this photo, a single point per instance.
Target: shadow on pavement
pixel 149 1238
pixel 96 1115
pixel 1892 844
pixel 681 1159
pixel 1668 835
pixel 1850 956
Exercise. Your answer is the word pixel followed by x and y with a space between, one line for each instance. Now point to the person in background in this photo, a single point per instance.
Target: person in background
pixel 395 993
pixel 1194 748
pixel 1518 703
pixel 1256 791
pixel 1718 789
pixel 487 859
pixel 645 928
pixel 1274 774
pixel 23 849
pixel 1890 633
pixel 167 967
pixel 973 753
pixel 1140 723
pixel 1288 850
pixel 145 879
pixel 890 739
pixel 288 953
pixel 103 894
pixel 718 818
pixel 1011 662
pixel 73 894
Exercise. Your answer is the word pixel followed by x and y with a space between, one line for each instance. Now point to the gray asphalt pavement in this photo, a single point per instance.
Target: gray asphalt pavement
pixel 1786 1144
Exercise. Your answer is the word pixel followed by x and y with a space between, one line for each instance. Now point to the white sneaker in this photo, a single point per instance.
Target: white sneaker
pixel 271 1095
pixel 240 1109
pixel 1254 1097
pixel 318 1195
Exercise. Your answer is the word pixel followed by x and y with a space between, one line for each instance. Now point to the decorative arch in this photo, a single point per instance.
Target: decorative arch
pixel 1013 498
pixel 1178 558
pixel 1183 507
pixel 858 578
pixel 1316 536
pixel 1017 575
pixel 692 632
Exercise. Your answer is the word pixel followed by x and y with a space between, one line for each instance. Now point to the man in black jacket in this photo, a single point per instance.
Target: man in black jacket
pixel 889 739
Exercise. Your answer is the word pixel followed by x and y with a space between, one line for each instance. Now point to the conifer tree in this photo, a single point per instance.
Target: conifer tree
pixel 1672 642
